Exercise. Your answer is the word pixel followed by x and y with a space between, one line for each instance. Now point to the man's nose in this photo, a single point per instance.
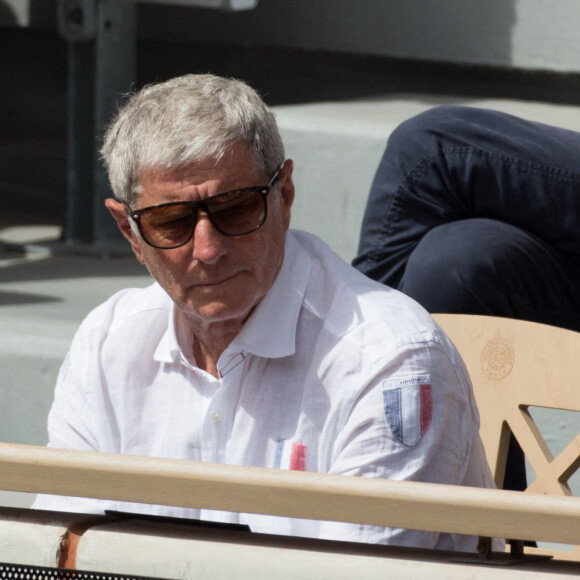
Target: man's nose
pixel 209 245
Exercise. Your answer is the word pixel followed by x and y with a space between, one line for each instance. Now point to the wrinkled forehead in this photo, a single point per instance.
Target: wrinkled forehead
pixel 238 166
pixel 238 169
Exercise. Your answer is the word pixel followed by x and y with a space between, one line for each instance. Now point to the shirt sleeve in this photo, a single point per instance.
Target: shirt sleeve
pixel 71 422
pixel 414 421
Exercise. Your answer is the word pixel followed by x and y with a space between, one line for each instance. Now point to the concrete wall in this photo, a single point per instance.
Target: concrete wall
pixel 528 34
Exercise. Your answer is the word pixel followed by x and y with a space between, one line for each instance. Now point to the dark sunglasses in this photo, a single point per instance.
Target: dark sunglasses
pixel 234 213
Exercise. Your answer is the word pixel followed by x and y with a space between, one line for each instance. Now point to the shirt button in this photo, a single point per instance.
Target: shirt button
pixel 216 417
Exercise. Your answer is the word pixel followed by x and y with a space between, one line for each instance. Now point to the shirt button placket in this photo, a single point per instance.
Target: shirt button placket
pixel 213 433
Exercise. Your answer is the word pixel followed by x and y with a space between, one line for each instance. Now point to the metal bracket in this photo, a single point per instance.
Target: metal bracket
pixel 486 556
pixel 77 20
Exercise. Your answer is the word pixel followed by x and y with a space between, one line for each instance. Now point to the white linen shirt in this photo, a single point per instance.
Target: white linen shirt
pixel 332 373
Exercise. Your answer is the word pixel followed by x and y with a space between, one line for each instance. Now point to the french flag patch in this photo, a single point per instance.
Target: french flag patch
pixel 408 405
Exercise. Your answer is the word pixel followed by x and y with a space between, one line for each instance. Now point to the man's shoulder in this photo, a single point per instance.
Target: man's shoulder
pixel 127 305
pixel 345 299
pixel 382 315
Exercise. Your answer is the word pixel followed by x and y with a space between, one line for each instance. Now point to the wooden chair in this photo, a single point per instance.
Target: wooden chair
pixel 516 365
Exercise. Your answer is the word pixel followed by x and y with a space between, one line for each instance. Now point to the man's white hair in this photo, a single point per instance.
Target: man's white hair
pixel 183 121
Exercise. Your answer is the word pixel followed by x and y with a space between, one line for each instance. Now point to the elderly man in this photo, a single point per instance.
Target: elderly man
pixel 256 345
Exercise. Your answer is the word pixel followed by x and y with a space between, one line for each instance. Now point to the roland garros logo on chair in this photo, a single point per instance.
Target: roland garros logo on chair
pixel 497 359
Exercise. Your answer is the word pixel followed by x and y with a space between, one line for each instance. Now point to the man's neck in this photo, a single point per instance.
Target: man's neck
pixel 209 343
pixel 205 359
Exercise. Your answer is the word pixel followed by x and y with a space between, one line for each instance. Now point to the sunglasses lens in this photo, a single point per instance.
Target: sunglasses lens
pixel 234 214
pixel 168 226
pixel 237 213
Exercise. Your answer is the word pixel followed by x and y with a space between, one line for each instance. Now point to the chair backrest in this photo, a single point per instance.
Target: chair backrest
pixel 515 366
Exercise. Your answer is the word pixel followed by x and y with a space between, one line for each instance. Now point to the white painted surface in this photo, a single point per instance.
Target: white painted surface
pixel 164 550
pixel 172 552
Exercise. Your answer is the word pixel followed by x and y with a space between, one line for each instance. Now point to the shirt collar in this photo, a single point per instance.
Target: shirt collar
pixel 168 349
pixel 271 329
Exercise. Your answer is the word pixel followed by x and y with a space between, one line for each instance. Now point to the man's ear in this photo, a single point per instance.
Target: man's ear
pixel 287 191
pixel 119 212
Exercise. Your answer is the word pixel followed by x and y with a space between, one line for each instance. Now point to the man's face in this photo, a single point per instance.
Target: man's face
pixel 215 278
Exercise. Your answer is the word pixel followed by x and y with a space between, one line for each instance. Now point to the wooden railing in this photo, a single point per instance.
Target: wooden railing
pixel 422 506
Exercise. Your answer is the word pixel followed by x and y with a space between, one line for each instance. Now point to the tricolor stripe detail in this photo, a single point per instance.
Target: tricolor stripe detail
pixel 298 457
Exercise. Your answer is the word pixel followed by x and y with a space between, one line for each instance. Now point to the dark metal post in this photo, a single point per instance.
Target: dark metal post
pixel 80 139
pixel 101 35
pixel 115 76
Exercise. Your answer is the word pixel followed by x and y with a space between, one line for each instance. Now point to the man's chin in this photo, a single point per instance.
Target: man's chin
pixel 216 313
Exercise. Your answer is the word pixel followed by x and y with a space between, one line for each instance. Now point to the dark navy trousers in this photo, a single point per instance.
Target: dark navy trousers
pixel 478 212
